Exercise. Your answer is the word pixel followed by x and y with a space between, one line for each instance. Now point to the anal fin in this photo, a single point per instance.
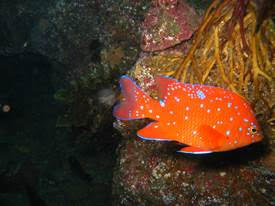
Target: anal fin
pixel 194 150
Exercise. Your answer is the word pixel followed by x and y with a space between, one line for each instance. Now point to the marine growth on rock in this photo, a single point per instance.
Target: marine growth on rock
pixel 167 23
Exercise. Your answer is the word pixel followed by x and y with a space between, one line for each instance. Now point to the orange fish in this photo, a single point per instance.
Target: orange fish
pixel 207 119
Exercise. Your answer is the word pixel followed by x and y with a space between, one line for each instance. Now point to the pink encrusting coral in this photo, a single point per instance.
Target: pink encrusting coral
pixel 168 22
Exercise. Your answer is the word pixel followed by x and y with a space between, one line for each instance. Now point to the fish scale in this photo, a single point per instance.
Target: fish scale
pixel 205 118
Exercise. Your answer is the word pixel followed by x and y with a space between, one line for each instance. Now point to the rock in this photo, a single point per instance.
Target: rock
pixel 167 25
pixel 152 173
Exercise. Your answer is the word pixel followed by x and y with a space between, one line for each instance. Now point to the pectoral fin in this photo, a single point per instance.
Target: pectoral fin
pixel 211 139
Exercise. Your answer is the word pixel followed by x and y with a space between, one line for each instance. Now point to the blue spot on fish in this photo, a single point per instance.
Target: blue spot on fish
pixel 200 94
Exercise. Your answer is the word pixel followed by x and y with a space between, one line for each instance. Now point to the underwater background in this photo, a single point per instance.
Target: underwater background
pixel 60 63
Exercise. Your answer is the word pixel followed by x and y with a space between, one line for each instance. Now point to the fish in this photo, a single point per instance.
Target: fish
pixel 205 118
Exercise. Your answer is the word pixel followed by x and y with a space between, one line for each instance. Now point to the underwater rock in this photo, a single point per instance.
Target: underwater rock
pixel 113 56
pixel 152 173
pixel 168 24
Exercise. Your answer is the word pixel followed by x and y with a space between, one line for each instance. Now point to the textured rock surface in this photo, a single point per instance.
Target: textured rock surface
pixel 152 173
pixel 168 24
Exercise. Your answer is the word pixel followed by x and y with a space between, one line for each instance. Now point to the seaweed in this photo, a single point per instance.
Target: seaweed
pixel 228 51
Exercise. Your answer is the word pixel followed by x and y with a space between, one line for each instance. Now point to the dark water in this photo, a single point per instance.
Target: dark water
pixel 40 163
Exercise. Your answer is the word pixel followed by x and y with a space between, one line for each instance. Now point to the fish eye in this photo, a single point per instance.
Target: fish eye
pixel 253 130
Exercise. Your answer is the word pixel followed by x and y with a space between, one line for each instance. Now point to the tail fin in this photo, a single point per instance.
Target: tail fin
pixel 135 103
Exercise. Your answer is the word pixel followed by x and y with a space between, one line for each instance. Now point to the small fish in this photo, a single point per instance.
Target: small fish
pixel 207 119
